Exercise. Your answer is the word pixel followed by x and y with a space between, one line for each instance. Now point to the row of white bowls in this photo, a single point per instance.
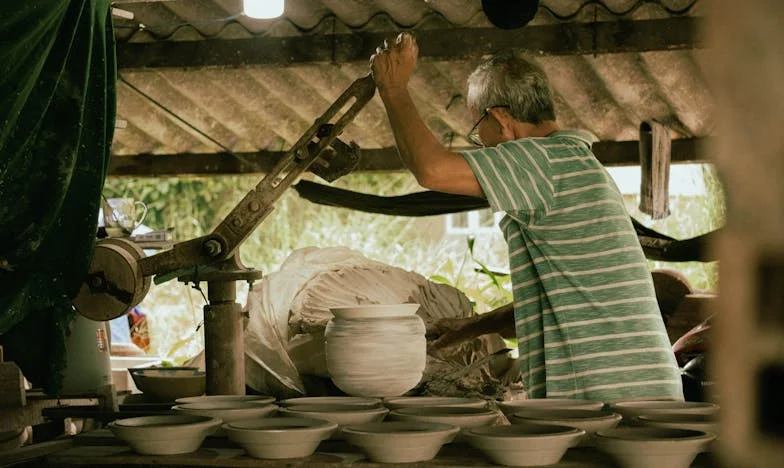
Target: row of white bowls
pixel 540 434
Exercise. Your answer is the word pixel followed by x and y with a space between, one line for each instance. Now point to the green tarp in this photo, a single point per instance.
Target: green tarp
pixel 57 109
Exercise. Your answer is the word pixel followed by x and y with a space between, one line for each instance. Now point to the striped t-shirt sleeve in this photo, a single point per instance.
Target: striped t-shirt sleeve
pixel 516 178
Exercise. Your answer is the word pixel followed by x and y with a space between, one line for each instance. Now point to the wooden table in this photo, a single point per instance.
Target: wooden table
pixel 100 448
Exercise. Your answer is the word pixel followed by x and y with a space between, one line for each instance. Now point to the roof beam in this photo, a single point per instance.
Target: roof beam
pixel 610 153
pixel 605 37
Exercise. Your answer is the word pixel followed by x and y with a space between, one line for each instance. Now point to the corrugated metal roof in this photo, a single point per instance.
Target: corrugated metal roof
pixel 267 108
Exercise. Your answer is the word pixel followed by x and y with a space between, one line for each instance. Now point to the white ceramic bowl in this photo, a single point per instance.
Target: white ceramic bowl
pixel 652 447
pixel 334 400
pixel 693 422
pixel 512 406
pixel 169 383
pixel 588 420
pixel 228 411
pixel 409 402
pixel 374 311
pixel 339 414
pixel 254 399
pixel 524 444
pixel 277 438
pixel 400 441
pixel 631 409
pixel 164 435
pixel 461 417
pixel 342 415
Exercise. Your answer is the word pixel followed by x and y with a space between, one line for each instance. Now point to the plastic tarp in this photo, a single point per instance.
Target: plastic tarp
pixel 289 310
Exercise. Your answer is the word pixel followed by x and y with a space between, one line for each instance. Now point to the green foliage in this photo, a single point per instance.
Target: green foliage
pixel 485 288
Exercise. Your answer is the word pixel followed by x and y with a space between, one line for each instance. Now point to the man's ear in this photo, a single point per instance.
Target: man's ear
pixel 504 119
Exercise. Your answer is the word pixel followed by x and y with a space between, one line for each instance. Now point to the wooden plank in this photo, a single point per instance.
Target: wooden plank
pixel 677 33
pixel 12 392
pixel 34 452
pixel 329 455
pixel 610 153
pixel 655 154
pixel 30 414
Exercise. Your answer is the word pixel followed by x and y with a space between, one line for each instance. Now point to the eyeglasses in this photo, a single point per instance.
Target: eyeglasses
pixel 473 134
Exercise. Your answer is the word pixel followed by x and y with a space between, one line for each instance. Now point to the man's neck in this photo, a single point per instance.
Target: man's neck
pixel 528 130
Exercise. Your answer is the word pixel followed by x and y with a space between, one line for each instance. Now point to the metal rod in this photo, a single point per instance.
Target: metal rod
pixel 224 349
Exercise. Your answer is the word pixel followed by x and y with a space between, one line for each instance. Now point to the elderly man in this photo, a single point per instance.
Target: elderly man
pixel 585 312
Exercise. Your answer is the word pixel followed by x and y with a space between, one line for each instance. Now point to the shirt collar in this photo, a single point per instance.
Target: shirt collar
pixel 584 136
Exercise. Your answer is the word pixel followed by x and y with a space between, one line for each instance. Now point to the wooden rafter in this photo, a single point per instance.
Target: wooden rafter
pixel 606 37
pixel 622 153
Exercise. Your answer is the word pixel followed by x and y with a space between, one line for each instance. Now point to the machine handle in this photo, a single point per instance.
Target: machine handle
pixel 258 203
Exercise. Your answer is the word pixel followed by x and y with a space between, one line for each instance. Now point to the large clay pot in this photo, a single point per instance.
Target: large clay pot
pixel 376 357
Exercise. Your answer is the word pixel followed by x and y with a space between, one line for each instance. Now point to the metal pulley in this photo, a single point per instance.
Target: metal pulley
pixel 114 282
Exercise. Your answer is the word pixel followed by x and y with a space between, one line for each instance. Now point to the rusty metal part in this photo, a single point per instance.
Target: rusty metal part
pixel 337 160
pixel 258 203
pixel 114 282
pixel 138 254
pixel 224 352
pixel 230 269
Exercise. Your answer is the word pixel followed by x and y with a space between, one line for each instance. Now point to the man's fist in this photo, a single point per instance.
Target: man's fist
pixel 393 65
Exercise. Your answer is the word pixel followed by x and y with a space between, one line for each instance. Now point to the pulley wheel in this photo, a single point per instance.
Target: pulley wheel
pixel 138 254
pixel 114 282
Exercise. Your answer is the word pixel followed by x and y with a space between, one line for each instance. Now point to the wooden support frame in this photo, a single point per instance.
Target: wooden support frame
pixel 610 153
pixel 655 157
pixel 607 37
pixel 12 391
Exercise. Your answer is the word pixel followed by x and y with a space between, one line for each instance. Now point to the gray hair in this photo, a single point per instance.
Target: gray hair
pixel 507 79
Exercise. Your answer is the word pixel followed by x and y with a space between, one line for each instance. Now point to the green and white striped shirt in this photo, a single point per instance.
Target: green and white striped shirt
pixel 587 321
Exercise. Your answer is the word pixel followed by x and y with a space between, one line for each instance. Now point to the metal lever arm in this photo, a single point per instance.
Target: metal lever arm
pixel 258 203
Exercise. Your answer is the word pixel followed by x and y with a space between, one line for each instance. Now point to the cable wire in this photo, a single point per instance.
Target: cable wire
pixel 190 125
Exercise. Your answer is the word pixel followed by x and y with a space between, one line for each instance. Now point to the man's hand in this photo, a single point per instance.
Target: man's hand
pixel 392 66
pixel 454 331
pixel 449 332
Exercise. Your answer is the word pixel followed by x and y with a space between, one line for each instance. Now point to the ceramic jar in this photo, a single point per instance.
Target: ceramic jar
pixel 376 357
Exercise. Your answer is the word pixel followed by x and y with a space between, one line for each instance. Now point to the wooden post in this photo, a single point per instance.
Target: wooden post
pixel 745 68
pixel 224 350
pixel 655 156
pixel 12 392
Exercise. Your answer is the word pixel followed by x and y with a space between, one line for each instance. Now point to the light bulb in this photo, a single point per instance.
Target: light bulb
pixel 263 9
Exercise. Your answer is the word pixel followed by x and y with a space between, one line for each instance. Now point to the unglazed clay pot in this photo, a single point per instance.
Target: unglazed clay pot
pixel 631 409
pixel 277 438
pixel 524 444
pixel 164 435
pixel 252 399
pixel 360 402
pixel 432 401
pixel 376 356
pixel 227 411
pixel 400 441
pixel 513 406
pixel 342 415
pixel 588 420
pixel 694 422
pixel 652 447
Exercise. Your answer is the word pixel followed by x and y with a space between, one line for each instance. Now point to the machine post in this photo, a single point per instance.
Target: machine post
pixel 224 350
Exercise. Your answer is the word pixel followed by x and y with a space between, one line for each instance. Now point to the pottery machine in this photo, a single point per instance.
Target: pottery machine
pixel 120 274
